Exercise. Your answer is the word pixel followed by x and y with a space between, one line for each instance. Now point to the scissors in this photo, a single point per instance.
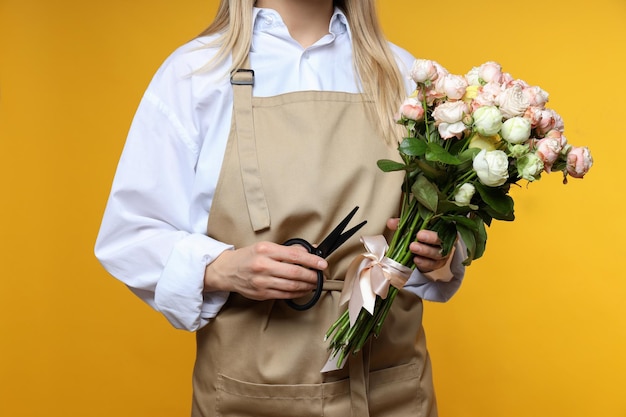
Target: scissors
pixel 330 243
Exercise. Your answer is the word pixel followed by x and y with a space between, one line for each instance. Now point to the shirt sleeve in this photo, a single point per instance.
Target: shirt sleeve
pixel 440 291
pixel 145 239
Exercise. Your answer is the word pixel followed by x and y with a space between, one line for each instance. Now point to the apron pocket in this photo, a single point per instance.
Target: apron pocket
pixel 244 399
pixel 396 392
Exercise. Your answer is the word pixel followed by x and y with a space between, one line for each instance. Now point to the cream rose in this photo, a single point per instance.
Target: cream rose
pixel 512 102
pixel 492 167
pixel 487 120
pixel 516 130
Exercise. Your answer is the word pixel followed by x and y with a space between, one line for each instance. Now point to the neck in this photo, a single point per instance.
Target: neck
pixel 307 20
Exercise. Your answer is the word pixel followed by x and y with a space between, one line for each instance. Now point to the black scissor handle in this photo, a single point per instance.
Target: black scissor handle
pixel 320 277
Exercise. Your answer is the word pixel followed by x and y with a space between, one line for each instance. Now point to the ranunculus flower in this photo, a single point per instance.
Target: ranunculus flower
pixel 512 102
pixel 492 167
pixel 412 109
pixel 530 167
pixel 464 194
pixel 424 71
pixel 490 72
pixel 548 150
pixel 579 161
pixel 516 130
pixel 488 143
pixel 451 86
pixel 487 120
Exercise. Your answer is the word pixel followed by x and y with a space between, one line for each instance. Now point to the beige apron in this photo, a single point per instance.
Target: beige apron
pixel 295 165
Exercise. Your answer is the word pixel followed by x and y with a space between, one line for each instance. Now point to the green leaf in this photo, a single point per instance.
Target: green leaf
pixel 413 147
pixel 446 206
pixel 462 220
pixel 469 238
pixel 500 204
pixel 387 165
pixel 481 238
pixel 447 232
pixel 437 153
pixel 426 193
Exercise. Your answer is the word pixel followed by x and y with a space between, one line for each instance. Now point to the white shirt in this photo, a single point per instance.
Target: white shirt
pixel 153 234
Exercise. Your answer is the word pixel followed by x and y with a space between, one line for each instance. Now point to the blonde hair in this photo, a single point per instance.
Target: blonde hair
pixel 374 62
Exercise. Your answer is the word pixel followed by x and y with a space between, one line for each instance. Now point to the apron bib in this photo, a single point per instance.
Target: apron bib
pixel 294 166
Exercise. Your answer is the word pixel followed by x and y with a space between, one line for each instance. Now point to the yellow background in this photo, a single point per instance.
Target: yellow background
pixel 538 328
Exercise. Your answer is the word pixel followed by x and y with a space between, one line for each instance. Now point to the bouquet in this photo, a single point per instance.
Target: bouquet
pixel 469 138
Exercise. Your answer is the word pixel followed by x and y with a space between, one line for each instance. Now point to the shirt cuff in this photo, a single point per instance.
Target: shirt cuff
pixel 179 292
pixel 440 291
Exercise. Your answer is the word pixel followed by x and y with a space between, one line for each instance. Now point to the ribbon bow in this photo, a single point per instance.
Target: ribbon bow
pixel 369 275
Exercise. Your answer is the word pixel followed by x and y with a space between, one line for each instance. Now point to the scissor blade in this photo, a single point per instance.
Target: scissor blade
pixel 336 238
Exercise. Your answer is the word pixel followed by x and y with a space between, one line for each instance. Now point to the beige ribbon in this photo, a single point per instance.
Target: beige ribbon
pixel 369 275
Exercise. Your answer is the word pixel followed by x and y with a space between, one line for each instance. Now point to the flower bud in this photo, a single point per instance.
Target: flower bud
pixel 464 194
pixel 530 167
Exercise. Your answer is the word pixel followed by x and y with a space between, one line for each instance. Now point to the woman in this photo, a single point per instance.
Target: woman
pixel 217 171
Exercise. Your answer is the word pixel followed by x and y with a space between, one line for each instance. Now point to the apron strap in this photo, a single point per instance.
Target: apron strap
pixel 242 81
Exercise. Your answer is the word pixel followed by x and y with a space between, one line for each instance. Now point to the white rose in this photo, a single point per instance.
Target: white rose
pixel 492 167
pixel 424 70
pixel 516 130
pixel 487 120
pixel 464 194
pixel 512 102
pixel 473 77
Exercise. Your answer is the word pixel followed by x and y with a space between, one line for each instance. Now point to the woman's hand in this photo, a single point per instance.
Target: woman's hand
pixel 265 271
pixel 427 249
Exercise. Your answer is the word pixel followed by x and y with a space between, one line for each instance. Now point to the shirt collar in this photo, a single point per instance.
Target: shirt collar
pixel 263 19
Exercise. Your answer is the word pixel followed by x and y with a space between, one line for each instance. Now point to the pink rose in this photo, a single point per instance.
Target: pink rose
pixel 533 114
pixel 423 71
pixel 548 150
pixel 579 161
pixel 452 86
pixel 549 120
pixel 487 95
pixel 490 72
pixel 536 96
pixel 450 111
pixel 412 109
pixel 558 135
